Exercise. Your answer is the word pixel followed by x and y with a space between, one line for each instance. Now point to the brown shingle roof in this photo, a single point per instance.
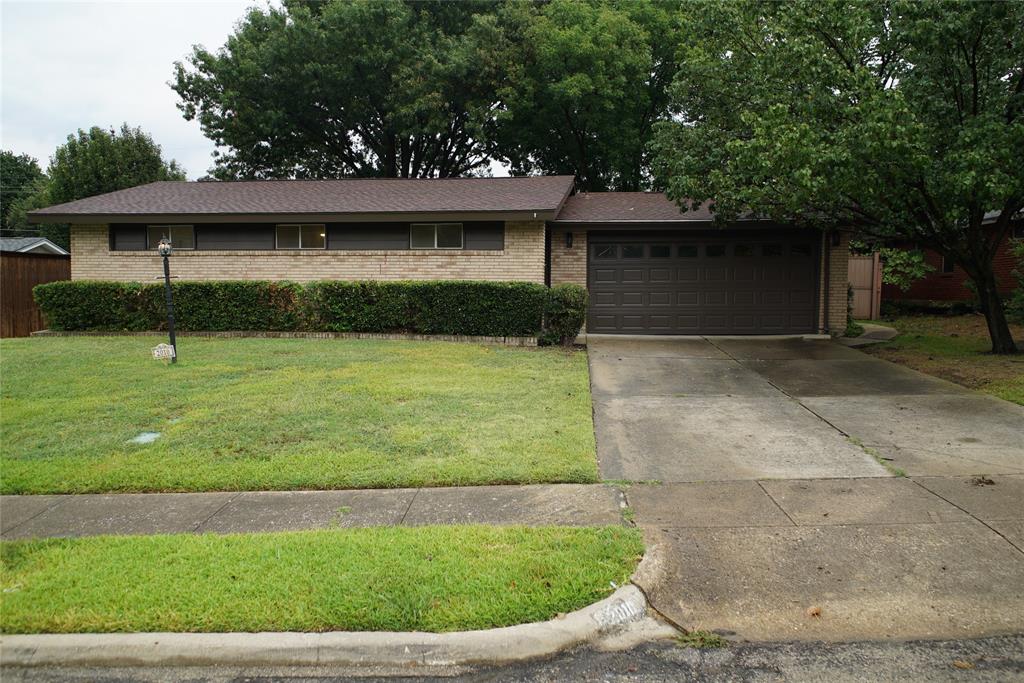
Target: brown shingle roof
pixel 314 197
pixel 622 207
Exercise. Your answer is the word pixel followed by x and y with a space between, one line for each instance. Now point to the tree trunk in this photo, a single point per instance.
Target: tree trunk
pixel 992 306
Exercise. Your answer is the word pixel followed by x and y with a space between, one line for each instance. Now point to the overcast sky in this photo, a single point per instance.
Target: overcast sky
pixel 69 65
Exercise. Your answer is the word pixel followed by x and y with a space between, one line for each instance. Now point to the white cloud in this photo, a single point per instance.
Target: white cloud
pixel 70 65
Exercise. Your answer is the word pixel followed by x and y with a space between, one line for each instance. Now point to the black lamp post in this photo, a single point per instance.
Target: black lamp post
pixel 164 249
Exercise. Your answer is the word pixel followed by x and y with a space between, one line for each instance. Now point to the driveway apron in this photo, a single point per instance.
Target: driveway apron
pixel 760 488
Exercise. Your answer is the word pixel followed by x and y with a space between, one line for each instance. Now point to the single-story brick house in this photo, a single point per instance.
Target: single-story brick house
pixel 650 268
pixel 948 282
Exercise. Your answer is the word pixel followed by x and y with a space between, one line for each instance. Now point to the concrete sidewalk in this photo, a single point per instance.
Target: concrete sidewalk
pixel 838 559
pixel 170 513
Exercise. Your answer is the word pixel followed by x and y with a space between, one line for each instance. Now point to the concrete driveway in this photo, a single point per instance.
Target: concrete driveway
pixel 762 494
pixel 677 410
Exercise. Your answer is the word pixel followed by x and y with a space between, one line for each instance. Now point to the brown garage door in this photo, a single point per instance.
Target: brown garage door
pixel 725 284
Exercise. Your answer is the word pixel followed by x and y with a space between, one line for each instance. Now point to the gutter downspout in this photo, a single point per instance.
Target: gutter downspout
pixel 827 243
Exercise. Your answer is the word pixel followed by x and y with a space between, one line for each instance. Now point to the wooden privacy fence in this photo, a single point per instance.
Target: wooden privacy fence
pixel 19 273
pixel 866 281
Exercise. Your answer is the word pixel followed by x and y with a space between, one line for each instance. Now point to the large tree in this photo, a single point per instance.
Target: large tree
pixel 590 83
pixel 901 120
pixel 350 88
pixel 92 162
pixel 96 161
pixel 19 174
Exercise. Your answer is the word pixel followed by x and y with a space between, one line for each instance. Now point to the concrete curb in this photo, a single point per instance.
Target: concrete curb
pixel 624 607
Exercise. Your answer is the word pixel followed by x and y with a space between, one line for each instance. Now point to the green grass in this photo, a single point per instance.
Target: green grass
pixel 956 348
pixel 251 414
pixel 701 640
pixel 379 579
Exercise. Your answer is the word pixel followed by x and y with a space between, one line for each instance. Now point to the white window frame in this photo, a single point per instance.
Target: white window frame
pixel 462 236
pixel 169 230
pixel 322 226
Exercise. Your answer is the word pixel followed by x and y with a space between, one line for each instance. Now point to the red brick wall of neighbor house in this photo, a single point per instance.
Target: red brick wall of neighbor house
pixel 939 286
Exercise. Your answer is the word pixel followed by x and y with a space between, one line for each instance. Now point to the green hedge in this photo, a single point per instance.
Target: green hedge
pixel 208 306
pixel 435 307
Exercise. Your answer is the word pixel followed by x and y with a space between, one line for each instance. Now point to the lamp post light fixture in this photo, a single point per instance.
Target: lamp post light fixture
pixel 164 249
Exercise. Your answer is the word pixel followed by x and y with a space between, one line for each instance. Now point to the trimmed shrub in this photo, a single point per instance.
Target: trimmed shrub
pixel 358 306
pixel 97 305
pixel 208 306
pixel 447 307
pixel 233 305
pixel 494 309
pixel 564 314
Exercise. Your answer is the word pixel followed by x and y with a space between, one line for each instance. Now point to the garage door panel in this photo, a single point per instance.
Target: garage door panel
pixel 661 275
pixel 718 285
pixel 745 273
pixel 688 298
pixel 744 298
pixel 688 323
pixel 715 298
pixel 799 296
pixel 716 273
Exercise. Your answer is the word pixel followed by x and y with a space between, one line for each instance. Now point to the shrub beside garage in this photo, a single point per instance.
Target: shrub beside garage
pixel 450 307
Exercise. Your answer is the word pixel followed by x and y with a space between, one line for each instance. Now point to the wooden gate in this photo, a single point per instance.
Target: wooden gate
pixel 19 273
pixel 866 281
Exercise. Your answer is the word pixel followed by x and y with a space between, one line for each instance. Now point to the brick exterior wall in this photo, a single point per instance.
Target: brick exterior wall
pixel 939 286
pixel 834 310
pixel 568 264
pixel 522 259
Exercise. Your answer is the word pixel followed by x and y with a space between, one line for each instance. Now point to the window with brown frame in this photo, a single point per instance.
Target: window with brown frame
pixel 301 236
pixel 181 236
pixel 435 236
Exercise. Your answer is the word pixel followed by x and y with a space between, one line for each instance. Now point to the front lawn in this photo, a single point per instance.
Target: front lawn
pixel 381 579
pixel 955 348
pixel 249 414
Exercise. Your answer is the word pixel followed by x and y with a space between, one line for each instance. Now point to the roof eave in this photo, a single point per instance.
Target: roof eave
pixel 666 222
pixel 545 214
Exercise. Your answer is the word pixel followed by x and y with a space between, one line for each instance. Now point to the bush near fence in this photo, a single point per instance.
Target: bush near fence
pixel 444 307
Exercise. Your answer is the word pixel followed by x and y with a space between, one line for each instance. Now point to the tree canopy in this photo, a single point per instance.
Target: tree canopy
pixel 369 88
pixel 901 120
pixel 96 161
pixel 590 81
pixel 424 89
pixel 19 174
pixel 89 163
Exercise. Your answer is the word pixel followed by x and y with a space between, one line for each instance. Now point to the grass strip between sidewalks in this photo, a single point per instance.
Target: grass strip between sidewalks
pixel 378 579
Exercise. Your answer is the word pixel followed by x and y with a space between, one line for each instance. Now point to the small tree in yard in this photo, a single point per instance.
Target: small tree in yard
pixel 90 163
pixel 901 120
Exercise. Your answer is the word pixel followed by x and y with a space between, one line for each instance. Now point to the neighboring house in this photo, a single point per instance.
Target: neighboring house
pixel 30 245
pixel 24 263
pixel 948 282
pixel 650 268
